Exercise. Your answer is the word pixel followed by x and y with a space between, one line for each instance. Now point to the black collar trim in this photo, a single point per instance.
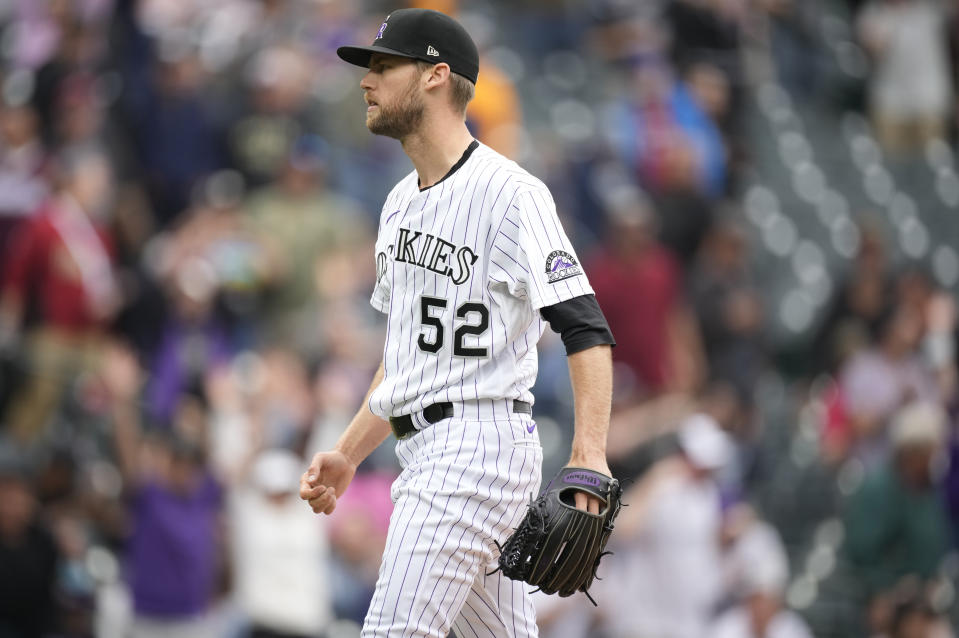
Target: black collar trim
pixel 459 163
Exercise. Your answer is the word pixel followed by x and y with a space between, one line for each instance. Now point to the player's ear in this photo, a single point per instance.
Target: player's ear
pixel 438 75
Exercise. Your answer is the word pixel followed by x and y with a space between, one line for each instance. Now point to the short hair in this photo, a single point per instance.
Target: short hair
pixel 461 89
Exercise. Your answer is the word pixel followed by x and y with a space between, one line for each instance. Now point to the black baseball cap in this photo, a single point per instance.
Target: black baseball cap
pixel 421 34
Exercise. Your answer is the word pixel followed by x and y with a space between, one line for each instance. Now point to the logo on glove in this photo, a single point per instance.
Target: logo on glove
pixel 582 479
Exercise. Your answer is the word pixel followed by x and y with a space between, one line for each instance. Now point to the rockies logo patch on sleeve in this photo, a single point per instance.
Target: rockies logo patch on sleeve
pixel 561 265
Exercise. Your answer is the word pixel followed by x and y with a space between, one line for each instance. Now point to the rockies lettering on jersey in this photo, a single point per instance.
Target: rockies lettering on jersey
pixel 434 254
pixel 462 269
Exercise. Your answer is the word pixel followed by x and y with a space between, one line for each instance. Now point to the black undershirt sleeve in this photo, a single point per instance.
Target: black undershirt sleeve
pixel 580 323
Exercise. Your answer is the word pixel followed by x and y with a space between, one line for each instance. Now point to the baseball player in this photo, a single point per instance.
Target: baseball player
pixel 471 263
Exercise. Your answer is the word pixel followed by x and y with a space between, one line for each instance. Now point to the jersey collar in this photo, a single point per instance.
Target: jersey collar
pixel 459 163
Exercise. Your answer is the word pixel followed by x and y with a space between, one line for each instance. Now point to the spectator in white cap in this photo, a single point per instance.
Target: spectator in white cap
pixel 705 445
pixel 668 579
pixel 919 427
pixel 896 522
pixel 280 552
pixel 758 572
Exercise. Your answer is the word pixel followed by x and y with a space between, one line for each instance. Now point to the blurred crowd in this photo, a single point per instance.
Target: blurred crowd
pixel 188 197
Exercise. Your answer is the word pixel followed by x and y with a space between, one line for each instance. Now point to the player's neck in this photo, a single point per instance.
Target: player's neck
pixel 435 148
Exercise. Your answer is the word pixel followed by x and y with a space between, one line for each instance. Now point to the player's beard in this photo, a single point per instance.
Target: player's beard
pixel 400 119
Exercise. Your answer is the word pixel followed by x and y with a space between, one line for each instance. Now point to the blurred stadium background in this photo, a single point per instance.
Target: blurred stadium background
pixel 764 192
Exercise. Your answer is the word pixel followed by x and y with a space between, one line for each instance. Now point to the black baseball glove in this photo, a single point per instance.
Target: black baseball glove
pixel 557 547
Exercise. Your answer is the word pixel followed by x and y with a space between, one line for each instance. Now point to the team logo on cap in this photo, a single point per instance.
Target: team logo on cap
pixel 561 265
pixel 379 34
pixel 431 51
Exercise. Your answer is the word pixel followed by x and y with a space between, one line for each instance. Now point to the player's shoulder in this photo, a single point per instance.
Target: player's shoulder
pixel 512 175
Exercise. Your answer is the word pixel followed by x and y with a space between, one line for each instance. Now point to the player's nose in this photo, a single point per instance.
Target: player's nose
pixel 366 82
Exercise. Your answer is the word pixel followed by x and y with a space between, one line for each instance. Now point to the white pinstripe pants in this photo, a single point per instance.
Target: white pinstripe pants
pixel 465 483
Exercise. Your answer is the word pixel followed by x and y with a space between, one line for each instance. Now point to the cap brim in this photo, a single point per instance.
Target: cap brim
pixel 360 56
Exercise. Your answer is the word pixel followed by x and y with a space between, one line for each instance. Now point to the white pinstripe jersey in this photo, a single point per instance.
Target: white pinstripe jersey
pixel 463 268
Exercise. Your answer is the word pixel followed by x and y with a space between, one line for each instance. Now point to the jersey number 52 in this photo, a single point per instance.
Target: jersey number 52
pixel 475 322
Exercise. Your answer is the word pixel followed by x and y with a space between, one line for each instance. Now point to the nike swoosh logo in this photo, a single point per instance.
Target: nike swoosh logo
pixel 530 428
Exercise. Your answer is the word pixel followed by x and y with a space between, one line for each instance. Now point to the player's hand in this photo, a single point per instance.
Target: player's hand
pixel 582 500
pixel 325 480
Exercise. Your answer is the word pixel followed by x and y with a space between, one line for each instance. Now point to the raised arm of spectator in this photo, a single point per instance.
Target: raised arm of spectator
pixel 873 29
pixel 940 344
pixel 686 353
pixel 641 495
pixel 122 377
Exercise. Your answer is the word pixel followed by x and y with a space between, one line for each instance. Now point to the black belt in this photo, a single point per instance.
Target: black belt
pixel 403 426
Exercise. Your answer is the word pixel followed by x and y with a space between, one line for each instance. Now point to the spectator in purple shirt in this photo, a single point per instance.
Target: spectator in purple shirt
pixel 174 508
